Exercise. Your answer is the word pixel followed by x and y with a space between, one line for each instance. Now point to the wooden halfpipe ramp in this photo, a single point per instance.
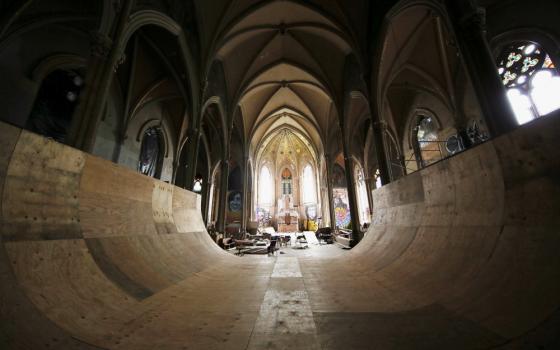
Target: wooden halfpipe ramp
pixel 464 254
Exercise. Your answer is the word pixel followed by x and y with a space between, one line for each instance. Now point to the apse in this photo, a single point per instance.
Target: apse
pixel 286 174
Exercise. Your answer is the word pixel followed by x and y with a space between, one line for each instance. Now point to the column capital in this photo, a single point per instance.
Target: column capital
pixel 474 22
pixel 120 60
pixel 193 132
pixel 380 125
pixel 101 45
pixel 117 5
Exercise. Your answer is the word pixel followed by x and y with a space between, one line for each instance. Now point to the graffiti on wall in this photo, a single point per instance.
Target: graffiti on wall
pixel 341 207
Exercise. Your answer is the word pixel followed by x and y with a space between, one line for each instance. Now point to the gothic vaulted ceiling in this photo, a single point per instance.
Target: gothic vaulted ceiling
pixel 283 61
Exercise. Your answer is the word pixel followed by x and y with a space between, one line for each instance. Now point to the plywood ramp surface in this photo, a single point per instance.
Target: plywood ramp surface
pixel 461 255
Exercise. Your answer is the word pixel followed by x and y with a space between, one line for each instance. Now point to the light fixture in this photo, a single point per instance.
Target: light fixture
pixel 197 187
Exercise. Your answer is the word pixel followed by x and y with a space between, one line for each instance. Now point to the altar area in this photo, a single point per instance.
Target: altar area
pixel 287 217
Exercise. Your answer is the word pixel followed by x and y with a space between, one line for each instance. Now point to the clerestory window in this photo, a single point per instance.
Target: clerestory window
pixel 531 79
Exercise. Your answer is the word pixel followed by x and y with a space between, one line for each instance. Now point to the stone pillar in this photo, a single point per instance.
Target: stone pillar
pixel 221 225
pixel 106 56
pixel 192 157
pixel 417 152
pixel 204 204
pixel 330 190
pixel 379 141
pixel 245 195
pixel 352 198
pixel 368 182
pixel 206 208
pixel 469 24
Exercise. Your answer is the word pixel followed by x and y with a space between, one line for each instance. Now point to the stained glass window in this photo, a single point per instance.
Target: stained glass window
pixel 425 136
pixel 531 79
pixel 361 191
pixel 426 131
pixel 151 152
pixel 286 181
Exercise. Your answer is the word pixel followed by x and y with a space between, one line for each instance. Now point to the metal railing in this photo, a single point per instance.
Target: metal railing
pixel 439 155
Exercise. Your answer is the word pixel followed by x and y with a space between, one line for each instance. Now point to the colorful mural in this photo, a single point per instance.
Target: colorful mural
pixel 311 214
pixel 341 207
pixel 235 204
pixel 263 216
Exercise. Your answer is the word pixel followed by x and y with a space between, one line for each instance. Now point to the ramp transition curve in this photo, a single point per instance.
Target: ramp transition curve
pixel 464 254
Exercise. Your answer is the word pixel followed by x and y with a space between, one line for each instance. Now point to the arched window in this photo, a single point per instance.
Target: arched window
pixel 54 106
pixel 531 79
pixel 151 153
pixel 397 167
pixel 197 186
pixel 212 203
pixel 266 188
pixel 286 181
pixel 361 191
pixel 378 183
pixel 309 191
pixel 424 141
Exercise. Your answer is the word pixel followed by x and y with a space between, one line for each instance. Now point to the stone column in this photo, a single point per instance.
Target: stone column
pixel 330 190
pixel 207 187
pixel 245 195
pixel 106 56
pixel 417 152
pixel 221 225
pixel 192 157
pixel 352 198
pixel 368 182
pixel 379 127
pixel 469 24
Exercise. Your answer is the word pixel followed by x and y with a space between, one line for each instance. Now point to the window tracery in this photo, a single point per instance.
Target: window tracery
pixel 425 141
pixel 151 152
pixel 286 181
pixel 531 79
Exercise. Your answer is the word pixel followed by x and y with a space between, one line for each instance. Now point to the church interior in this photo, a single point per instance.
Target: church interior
pixel 280 174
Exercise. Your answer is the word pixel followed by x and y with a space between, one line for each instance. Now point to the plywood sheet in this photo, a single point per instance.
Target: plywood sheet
pixel 40 199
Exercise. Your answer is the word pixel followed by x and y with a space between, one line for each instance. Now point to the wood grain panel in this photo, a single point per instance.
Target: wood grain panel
pixel 127 255
pixel 470 244
pixel 64 282
pixel 41 191
pixel 186 211
pixel 113 271
pixel 114 201
pixel 162 208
